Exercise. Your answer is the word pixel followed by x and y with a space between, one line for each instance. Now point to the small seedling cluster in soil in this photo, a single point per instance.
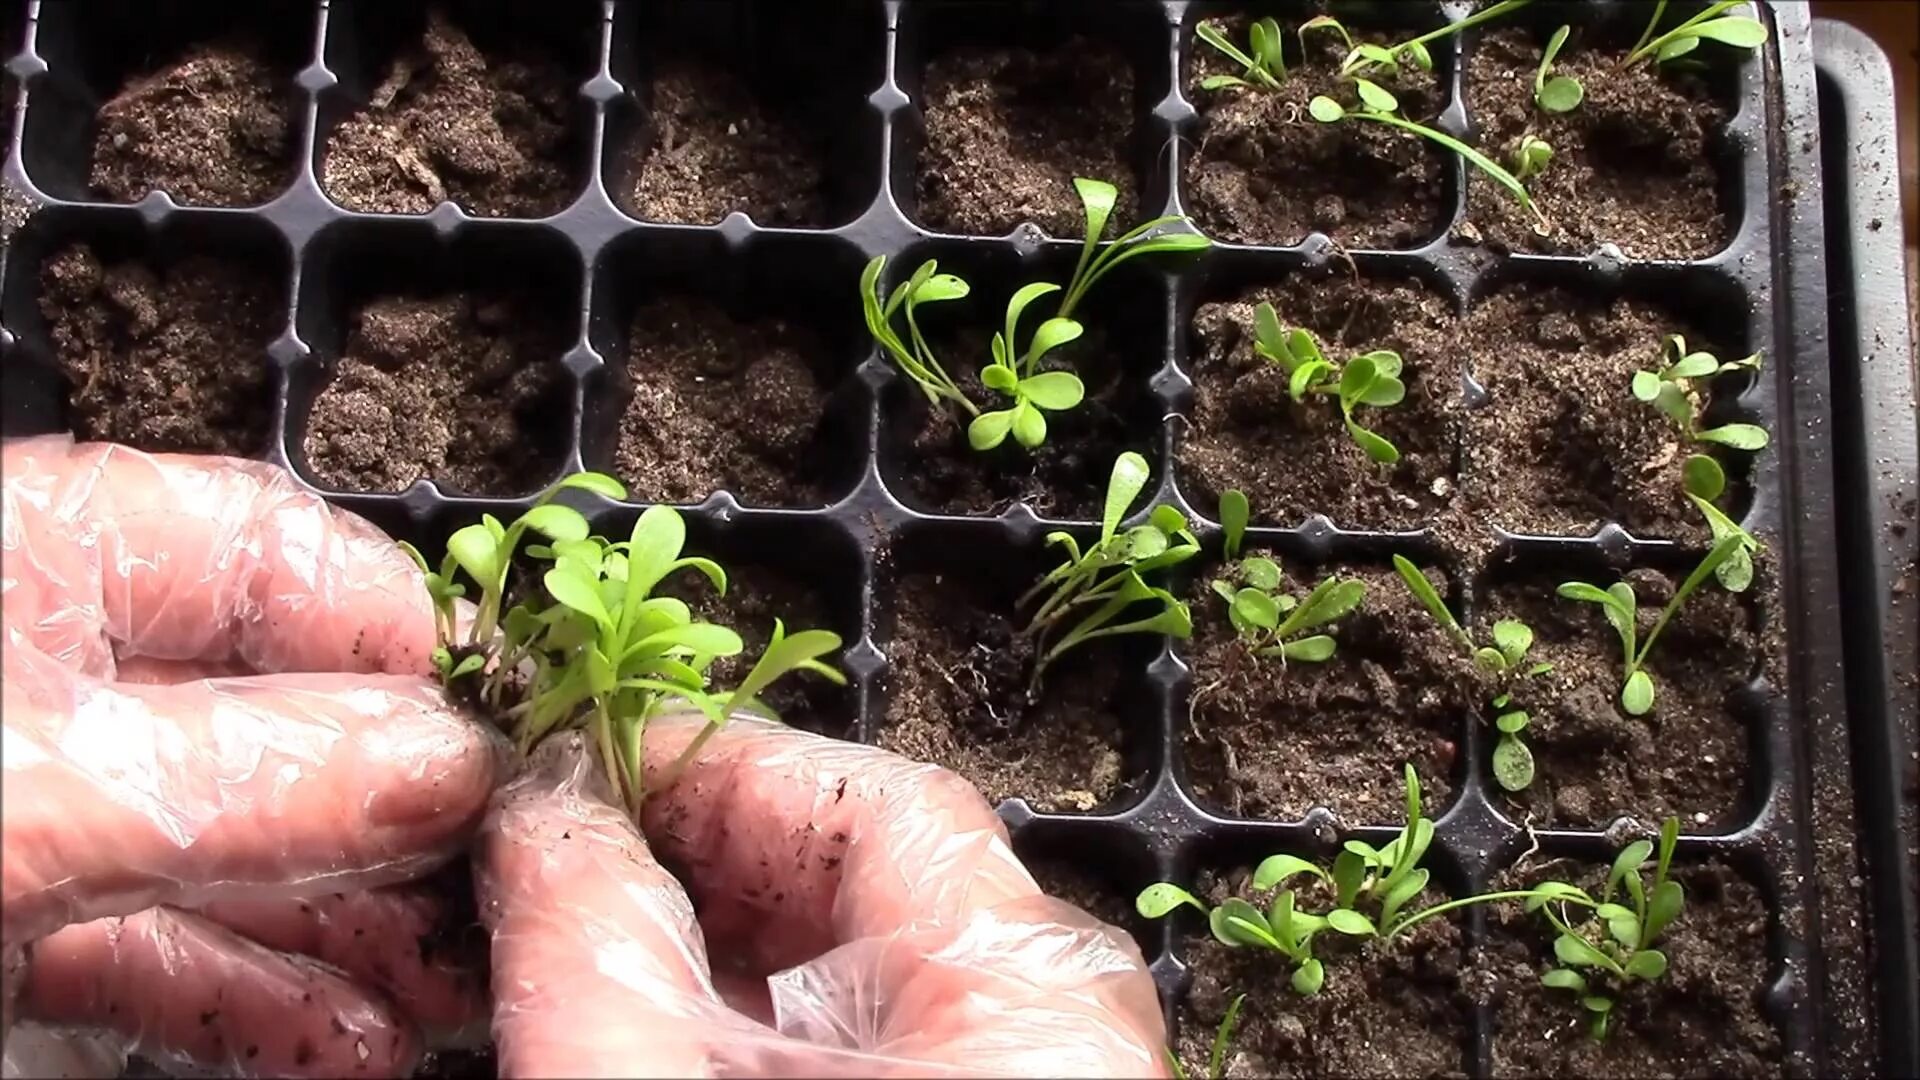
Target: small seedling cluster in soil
pixel 1371 378
pixel 1272 623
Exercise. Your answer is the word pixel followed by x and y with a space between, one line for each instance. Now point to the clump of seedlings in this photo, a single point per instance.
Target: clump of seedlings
pixel 1271 623
pixel 1266 68
pixel 1504 661
pixel 1371 378
pixel 586 643
pixel 1710 24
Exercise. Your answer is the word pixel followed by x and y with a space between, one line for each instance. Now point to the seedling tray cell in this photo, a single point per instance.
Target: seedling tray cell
pixel 702 197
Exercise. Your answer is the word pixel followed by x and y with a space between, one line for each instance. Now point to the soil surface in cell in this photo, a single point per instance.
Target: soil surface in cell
pixel 447 121
pixel 1263 171
pixel 1007 130
pixel 712 149
pixel 756 596
pixel 1702 1018
pixel 463 389
pixel 1632 164
pixel 721 404
pixel 1397 1011
pixel 1562 445
pixel 1593 763
pixel 957 697
pixel 1271 741
pixel 1294 460
pixel 164 358
pixel 1060 878
pixel 214 128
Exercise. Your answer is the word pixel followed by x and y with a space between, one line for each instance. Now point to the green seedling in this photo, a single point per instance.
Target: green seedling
pixel 913 356
pixel 1261 65
pixel 1271 623
pixel 1017 375
pixel 1081 599
pixel 1673 391
pixel 1704 481
pixel 1379 106
pixel 1096 199
pixel 1556 93
pixel 1222 1040
pixel 1504 661
pixel 1371 378
pixel 1604 955
pixel 1617 601
pixel 1531 157
pixel 1363 57
pixel 1711 24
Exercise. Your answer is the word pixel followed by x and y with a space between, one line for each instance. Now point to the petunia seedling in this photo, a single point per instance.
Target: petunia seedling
pixel 1556 93
pixel 912 355
pixel 1261 64
pixel 1017 375
pixel 1097 198
pixel 1617 601
pixel 1711 23
pixel 1673 390
pixel 1704 481
pixel 1270 622
pixel 1365 58
pixel 1371 378
pixel 1531 155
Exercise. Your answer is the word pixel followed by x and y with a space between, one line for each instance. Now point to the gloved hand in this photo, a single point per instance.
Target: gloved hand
pixel 177 850
pixel 923 947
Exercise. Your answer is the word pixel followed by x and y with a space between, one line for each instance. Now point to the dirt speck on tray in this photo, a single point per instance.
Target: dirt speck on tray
pixel 1007 130
pixel 957 696
pixel 167 358
pixel 711 149
pixel 1263 171
pixel 757 595
pixel 718 403
pixel 463 389
pixel 451 122
pixel 1631 165
pixel 214 128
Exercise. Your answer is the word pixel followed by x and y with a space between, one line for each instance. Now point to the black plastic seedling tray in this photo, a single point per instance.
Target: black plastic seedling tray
pixel 1795 834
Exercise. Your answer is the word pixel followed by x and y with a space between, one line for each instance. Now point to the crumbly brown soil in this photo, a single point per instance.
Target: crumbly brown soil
pixel 461 388
pixel 721 404
pixel 756 596
pixel 712 149
pixel 1271 742
pixel 957 697
pixel 1294 460
pixel 214 128
pixel 488 131
pixel 1264 172
pixel 1396 1010
pixel 1562 445
pixel 1631 165
pixel 1007 130
pixel 1700 1019
pixel 1063 879
pixel 1065 477
pixel 164 358
pixel 1593 763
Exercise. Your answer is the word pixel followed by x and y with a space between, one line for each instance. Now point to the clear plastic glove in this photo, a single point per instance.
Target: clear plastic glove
pixel 185 860
pixel 923 947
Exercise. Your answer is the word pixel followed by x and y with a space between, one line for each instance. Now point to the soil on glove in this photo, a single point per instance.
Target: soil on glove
pixel 1263 171
pixel 164 358
pixel 487 130
pixel 957 696
pixel 463 389
pixel 756 596
pixel 1293 460
pixel 1007 130
pixel 1632 164
pixel 720 404
pixel 214 128
pixel 1270 741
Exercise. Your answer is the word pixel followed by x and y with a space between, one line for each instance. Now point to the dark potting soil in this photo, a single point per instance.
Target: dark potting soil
pixel 213 128
pixel 957 696
pixel 712 149
pixel 164 358
pixel 461 388
pixel 1294 460
pixel 1702 1018
pixel 1061 879
pixel 756 596
pixel 1007 130
pixel 448 121
pixel 1593 763
pixel 1394 1010
pixel 1268 741
pixel 1563 445
pixel 1265 172
pixel 721 404
pixel 1632 164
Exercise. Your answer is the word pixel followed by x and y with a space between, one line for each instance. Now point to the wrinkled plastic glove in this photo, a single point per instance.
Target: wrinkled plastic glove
pixel 903 936
pixel 186 860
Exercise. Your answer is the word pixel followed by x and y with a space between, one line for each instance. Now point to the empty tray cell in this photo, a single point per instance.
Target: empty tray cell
pixel 1264 172
pixel 1635 164
pixel 1271 740
pixel 725 114
pixel 196 100
pixel 1693 756
pixel 448 368
pixel 469 102
pixel 1293 460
